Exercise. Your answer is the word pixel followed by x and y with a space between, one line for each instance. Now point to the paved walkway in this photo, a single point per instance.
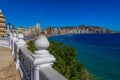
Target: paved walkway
pixel 7 69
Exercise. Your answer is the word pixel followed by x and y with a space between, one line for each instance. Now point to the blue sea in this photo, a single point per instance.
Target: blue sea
pixel 100 53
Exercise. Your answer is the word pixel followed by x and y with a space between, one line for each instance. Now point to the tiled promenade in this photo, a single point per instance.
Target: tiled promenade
pixel 7 68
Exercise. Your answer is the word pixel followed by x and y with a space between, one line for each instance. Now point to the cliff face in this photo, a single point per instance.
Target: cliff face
pixel 7 69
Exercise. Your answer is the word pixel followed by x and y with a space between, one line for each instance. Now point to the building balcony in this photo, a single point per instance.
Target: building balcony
pixel 1 29
pixel 2 20
pixel 2 16
pixel 1 33
pixel 2 24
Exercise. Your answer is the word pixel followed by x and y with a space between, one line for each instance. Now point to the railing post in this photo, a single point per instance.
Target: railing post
pixel 36 73
pixel 42 56
pixel 13 42
pixel 19 43
pixel 11 36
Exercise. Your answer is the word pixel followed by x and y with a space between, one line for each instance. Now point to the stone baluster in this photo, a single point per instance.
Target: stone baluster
pixel 42 56
pixel 19 43
pixel 11 36
pixel 14 39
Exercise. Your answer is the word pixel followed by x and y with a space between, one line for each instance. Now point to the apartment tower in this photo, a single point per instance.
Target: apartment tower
pixel 2 24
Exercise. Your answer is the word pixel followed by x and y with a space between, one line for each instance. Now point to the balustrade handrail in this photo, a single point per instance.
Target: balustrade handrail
pixel 28 54
pixel 49 73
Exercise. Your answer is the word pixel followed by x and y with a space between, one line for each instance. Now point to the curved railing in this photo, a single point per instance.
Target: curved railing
pixel 33 66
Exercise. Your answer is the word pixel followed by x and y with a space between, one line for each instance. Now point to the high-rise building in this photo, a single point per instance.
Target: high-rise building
pixel 2 24
pixel 38 26
pixel 38 29
pixel 9 26
pixel 49 30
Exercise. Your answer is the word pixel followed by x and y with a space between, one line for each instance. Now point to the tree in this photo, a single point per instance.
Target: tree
pixel 66 61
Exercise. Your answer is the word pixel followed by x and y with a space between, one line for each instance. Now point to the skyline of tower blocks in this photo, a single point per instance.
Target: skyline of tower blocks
pixel 38 26
pixel 2 24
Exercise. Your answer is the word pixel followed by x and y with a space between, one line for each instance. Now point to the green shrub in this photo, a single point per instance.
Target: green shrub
pixel 66 62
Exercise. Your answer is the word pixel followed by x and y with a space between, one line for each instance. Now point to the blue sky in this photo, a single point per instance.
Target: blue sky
pixel 105 13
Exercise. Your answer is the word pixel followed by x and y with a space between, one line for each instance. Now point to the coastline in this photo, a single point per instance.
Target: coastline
pixel 78 34
pixel 103 53
pixel 82 47
pixel 29 38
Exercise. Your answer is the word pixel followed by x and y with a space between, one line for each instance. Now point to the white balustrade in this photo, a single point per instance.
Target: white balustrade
pixel 14 39
pixel 37 65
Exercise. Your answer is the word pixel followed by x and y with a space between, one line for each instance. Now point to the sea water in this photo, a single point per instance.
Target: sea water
pixel 100 53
